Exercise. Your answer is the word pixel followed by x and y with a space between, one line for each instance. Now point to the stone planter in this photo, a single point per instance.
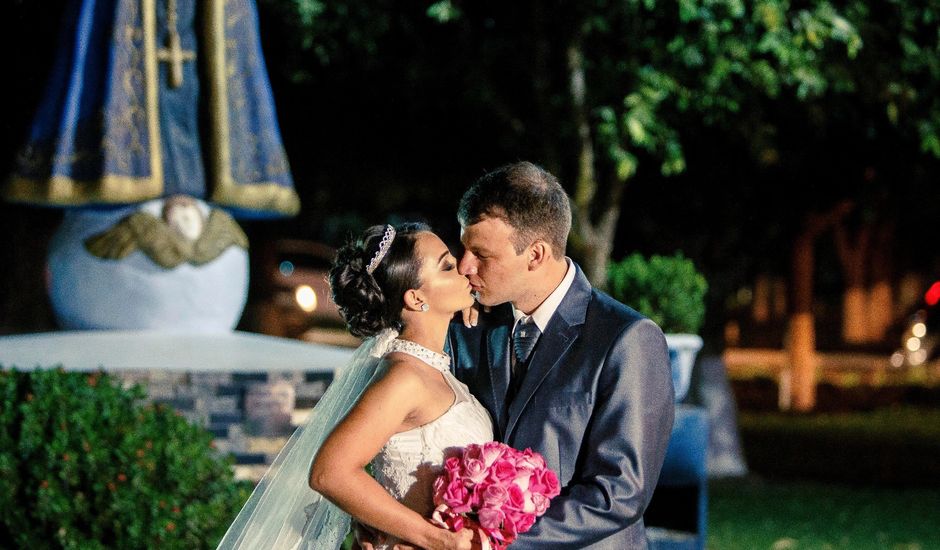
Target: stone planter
pixel 682 351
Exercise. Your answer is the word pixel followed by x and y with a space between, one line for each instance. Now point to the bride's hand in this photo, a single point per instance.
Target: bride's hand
pixel 471 315
pixel 461 540
pixel 448 540
pixel 466 539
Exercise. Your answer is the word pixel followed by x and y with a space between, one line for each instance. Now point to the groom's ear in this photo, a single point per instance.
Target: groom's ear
pixel 539 253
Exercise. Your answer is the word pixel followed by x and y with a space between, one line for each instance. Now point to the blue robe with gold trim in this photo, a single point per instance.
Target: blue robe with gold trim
pixel 116 126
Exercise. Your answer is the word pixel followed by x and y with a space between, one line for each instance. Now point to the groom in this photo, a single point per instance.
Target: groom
pixel 563 368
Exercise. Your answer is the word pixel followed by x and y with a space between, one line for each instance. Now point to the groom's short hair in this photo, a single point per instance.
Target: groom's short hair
pixel 525 196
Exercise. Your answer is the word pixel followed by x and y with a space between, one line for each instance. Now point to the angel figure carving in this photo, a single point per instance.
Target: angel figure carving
pixel 181 234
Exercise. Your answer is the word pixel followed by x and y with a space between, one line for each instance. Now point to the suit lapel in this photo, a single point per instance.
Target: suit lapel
pixel 562 331
pixel 548 354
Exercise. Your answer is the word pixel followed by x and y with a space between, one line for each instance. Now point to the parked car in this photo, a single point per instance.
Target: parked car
pixel 920 342
pixel 295 288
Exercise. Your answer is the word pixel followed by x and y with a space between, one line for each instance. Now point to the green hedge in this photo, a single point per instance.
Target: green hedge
pixel 85 464
pixel 667 289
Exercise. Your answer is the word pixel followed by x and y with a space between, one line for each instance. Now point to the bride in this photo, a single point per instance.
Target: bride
pixel 396 406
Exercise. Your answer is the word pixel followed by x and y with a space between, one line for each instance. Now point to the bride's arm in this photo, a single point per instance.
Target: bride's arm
pixel 338 471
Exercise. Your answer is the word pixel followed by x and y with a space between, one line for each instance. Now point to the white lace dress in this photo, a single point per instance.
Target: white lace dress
pixel 410 462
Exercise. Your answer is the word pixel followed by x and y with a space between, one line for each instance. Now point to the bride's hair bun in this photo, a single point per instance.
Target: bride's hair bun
pixel 371 302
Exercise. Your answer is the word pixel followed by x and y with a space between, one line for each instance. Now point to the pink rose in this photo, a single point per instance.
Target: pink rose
pixel 457 497
pixel 491 518
pixel 516 497
pixel 522 479
pixel 473 450
pixel 493 451
pixel 452 467
pixel 523 522
pixel 544 481
pixel 536 484
pixel 552 486
pixel 509 531
pixel 474 469
pixel 502 470
pixel 530 459
pixel 446 519
pixel 540 502
pixel 440 487
pixel 523 465
pixel 476 496
pixel 495 495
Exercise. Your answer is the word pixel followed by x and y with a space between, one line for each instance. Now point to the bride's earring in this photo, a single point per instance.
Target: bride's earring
pixel 425 307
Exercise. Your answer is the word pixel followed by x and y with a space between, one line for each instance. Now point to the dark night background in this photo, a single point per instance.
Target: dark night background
pixel 390 115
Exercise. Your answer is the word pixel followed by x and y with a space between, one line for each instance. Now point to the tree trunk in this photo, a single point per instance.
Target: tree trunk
pixel 780 298
pixel 760 304
pixel 798 386
pixel 801 342
pixel 853 256
pixel 592 236
pixel 881 298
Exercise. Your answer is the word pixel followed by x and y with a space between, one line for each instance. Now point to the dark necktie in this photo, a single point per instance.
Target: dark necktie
pixel 524 337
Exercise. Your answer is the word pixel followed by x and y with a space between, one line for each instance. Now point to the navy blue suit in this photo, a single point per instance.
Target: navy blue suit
pixel 596 402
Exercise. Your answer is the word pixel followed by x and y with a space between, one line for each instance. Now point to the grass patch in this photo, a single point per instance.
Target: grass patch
pixel 753 515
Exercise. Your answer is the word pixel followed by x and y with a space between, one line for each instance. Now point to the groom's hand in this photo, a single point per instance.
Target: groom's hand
pixel 366 537
pixel 365 545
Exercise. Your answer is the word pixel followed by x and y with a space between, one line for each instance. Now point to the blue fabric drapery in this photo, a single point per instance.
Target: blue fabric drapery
pixel 116 126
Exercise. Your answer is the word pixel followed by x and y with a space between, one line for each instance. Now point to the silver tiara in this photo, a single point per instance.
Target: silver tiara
pixel 384 245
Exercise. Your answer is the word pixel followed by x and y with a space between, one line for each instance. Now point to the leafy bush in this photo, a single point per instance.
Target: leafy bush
pixel 85 464
pixel 667 289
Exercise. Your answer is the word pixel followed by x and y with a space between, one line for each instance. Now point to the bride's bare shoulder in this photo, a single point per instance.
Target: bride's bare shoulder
pixel 402 370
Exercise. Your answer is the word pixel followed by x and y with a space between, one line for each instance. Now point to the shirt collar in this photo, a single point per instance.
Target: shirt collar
pixel 543 314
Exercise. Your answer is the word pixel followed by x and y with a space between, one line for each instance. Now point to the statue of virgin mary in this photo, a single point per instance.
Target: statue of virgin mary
pixel 148 100
pixel 153 98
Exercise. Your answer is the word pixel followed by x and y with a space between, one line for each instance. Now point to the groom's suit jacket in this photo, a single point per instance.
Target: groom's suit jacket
pixel 596 402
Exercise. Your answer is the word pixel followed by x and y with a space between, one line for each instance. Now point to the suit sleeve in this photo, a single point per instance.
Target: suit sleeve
pixel 623 447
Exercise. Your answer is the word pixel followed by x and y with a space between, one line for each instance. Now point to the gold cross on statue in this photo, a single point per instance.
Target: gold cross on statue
pixel 174 54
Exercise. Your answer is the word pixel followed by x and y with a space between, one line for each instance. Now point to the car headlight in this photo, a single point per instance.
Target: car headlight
pixel 306 298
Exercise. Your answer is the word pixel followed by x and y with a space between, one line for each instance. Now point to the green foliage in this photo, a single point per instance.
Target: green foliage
pixel 84 464
pixel 443 11
pixel 667 289
pixel 802 97
pixel 652 68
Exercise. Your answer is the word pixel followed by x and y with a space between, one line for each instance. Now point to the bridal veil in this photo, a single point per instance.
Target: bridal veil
pixel 283 512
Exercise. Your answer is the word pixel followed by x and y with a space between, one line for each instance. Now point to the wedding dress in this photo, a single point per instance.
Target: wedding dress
pixel 284 513
pixel 410 462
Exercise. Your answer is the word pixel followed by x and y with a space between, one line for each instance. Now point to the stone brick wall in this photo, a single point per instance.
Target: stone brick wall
pixel 250 414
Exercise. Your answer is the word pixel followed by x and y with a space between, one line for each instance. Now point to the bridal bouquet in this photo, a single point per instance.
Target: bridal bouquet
pixel 495 489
